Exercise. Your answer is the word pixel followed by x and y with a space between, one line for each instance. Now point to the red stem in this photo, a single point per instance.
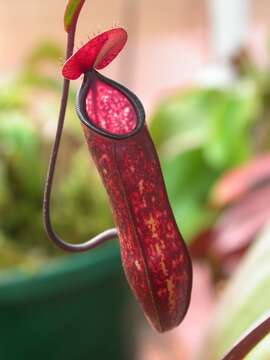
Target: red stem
pixel 248 342
pixel 106 235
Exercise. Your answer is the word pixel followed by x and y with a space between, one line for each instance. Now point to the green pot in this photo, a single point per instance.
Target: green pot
pixel 72 309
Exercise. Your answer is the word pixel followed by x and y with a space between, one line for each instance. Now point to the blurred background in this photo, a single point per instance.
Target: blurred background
pixel 202 70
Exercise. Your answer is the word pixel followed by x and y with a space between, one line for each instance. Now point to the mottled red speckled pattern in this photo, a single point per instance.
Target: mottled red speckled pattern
pixel 109 109
pixel 154 255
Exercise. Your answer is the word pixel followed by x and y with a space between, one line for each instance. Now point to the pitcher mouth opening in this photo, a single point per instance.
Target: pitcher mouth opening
pixel 109 108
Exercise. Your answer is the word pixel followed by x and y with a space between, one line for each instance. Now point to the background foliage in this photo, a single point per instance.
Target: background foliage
pixel 200 133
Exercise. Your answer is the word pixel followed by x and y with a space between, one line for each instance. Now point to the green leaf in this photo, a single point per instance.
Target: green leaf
pixel 217 121
pixel 188 179
pixel 244 301
pixel 180 122
pixel 20 151
pixel 72 12
pixel 228 141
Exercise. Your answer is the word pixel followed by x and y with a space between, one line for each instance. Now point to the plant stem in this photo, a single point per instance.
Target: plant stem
pixel 248 342
pixel 106 235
